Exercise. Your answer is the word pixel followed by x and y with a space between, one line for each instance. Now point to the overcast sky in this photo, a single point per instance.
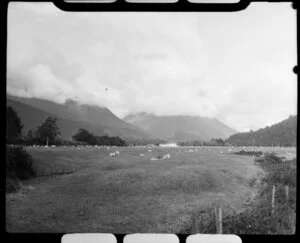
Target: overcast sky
pixel 236 67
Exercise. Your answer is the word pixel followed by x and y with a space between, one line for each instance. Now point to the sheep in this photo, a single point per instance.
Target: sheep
pixel 167 156
pixel 53 146
pixel 149 150
pixel 142 156
pixel 117 152
pixel 112 154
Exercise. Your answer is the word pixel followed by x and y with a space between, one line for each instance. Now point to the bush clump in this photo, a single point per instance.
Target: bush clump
pixel 18 167
pixel 250 153
pixel 13 184
pixel 272 158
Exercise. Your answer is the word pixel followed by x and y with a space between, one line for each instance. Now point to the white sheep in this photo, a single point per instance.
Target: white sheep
pixel 167 156
pixel 112 154
pixel 117 152
pixel 142 155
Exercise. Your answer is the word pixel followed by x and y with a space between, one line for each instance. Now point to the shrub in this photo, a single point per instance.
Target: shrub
pixel 250 153
pixel 13 184
pixel 282 173
pixel 18 163
pixel 272 158
pixel 14 126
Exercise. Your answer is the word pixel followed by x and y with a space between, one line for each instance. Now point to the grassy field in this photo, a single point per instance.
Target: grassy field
pixel 85 190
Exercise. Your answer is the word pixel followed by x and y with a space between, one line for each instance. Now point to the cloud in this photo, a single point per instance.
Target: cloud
pixel 39 8
pixel 164 63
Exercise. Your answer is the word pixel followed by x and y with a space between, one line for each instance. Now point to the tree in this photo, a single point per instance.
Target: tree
pixel 48 131
pixel 30 134
pixel 85 136
pixel 13 126
pixel 31 138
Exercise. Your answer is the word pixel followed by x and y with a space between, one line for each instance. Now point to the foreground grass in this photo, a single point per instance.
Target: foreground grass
pixel 85 190
pixel 257 218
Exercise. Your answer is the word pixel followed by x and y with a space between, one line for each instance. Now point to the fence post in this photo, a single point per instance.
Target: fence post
pixel 287 193
pixel 195 225
pixel 220 221
pixel 273 199
pixel 198 224
pixel 216 219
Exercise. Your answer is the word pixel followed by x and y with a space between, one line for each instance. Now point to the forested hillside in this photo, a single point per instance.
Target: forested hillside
pixel 280 134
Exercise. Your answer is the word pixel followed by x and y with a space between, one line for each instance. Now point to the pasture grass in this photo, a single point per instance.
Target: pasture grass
pixel 86 190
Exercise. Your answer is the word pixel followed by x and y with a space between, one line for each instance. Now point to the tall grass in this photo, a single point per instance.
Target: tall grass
pixel 257 218
pixel 18 167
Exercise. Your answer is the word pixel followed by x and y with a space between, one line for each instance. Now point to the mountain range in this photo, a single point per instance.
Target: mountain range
pixel 145 126
pixel 71 116
pixel 180 127
pixel 100 120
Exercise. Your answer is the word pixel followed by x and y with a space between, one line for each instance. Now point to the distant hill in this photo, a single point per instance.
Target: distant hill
pixel 180 128
pixel 280 134
pixel 72 116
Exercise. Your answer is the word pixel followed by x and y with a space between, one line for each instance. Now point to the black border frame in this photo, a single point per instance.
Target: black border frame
pixel 179 6
pixel 122 5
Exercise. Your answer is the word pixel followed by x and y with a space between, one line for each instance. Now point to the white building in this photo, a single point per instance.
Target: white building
pixel 168 145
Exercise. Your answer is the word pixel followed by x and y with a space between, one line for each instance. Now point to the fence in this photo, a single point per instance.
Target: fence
pixel 216 221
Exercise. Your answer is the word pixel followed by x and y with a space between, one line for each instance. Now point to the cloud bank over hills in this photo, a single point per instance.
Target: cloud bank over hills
pixel 236 68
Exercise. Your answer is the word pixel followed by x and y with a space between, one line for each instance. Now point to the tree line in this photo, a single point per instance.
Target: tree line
pixel 212 142
pixel 86 137
pixel 48 133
